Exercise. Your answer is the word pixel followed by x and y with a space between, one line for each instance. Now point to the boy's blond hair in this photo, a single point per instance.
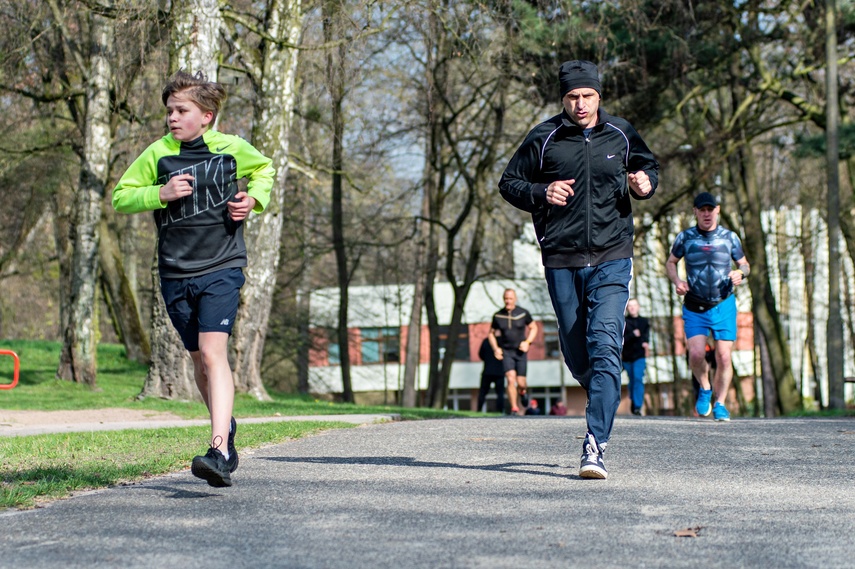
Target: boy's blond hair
pixel 207 95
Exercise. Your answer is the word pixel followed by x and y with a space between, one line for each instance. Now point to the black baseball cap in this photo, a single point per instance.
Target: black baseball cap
pixel 705 199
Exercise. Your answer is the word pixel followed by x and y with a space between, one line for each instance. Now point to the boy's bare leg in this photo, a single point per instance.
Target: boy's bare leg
pixel 200 377
pixel 213 355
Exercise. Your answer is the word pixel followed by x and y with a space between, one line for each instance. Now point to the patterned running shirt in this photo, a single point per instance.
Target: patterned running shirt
pixel 708 256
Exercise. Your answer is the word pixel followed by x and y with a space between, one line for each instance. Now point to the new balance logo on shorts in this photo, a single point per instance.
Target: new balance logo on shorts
pixel 225 322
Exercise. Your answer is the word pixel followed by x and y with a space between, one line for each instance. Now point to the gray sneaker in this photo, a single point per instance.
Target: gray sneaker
pixel 592 459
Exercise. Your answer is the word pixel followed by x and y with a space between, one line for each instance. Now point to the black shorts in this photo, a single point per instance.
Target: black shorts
pixel 515 360
pixel 206 303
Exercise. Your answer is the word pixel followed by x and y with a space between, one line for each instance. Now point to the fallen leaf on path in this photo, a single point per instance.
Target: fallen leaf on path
pixel 688 532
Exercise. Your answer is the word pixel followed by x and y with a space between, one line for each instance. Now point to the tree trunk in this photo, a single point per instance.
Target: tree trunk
pixel 834 326
pixel 414 330
pixel 78 361
pixel 120 298
pixel 335 70
pixel 170 375
pixel 764 308
pixel 275 89
pixel 807 250
pixel 767 379
pixel 195 36
pixel 194 46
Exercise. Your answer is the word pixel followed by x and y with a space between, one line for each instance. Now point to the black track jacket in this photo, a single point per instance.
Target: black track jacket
pixel 596 224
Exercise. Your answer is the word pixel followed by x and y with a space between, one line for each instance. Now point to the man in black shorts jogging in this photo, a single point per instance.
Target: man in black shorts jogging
pixel 513 331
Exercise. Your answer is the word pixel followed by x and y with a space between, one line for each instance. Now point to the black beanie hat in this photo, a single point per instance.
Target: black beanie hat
pixel 575 74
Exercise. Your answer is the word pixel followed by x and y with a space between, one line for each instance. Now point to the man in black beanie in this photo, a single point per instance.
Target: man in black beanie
pixel 575 174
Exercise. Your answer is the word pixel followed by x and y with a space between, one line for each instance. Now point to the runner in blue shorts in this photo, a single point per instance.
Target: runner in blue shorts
pixel 709 306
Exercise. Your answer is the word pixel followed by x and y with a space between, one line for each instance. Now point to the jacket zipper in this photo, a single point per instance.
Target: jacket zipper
pixel 588 199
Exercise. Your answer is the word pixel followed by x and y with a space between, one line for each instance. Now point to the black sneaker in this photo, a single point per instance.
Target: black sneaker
pixel 233 455
pixel 592 459
pixel 212 468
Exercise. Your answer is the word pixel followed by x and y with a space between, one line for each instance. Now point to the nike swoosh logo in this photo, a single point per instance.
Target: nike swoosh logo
pixel 220 149
pixel 610 156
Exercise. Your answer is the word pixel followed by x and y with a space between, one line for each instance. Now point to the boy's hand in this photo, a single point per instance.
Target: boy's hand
pixel 240 208
pixel 176 188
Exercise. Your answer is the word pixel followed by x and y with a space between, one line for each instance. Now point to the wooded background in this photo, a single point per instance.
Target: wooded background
pixel 389 124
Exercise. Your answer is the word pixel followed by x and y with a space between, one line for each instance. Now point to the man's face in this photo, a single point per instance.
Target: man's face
pixel 582 105
pixel 510 300
pixel 707 217
pixel 632 308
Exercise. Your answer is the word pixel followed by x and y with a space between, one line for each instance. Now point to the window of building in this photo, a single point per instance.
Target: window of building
pixel 550 340
pixel 380 345
pixel 333 348
pixel 461 346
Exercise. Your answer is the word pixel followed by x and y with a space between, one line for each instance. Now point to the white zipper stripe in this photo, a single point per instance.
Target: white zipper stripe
pixel 626 138
pixel 545 142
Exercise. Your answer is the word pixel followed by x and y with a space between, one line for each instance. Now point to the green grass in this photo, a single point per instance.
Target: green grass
pixel 120 381
pixel 45 467
pixel 39 468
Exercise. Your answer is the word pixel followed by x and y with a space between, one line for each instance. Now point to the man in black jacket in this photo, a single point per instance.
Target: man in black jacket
pixel 636 338
pixel 575 174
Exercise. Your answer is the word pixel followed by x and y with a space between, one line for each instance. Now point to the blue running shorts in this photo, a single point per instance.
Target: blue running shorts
pixel 205 303
pixel 720 320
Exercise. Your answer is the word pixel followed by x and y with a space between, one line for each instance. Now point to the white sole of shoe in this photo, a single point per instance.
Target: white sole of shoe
pixel 593 473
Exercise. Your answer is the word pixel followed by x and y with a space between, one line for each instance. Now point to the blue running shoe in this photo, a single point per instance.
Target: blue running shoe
pixel 703 406
pixel 720 412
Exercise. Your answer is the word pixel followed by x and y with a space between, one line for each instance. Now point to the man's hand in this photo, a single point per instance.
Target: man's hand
pixel 557 192
pixel 524 345
pixel 176 188
pixel 239 210
pixel 498 354
pixel 640 183
pixel 682 287
pixel 736 276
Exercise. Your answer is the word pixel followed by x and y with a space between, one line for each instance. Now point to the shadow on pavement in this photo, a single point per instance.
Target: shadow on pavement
pixel 409 461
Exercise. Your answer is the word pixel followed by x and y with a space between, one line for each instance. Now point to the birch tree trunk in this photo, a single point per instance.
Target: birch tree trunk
pixel 811 348
pixel 275 80
pixel 77 361
pixel 194 46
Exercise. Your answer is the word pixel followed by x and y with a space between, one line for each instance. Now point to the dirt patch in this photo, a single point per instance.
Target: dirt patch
pixel 112 415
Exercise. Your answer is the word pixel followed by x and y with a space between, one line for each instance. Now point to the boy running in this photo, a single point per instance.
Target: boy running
pixel 189 179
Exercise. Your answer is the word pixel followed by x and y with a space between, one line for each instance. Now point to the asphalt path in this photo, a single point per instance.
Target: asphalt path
pixel 492 493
